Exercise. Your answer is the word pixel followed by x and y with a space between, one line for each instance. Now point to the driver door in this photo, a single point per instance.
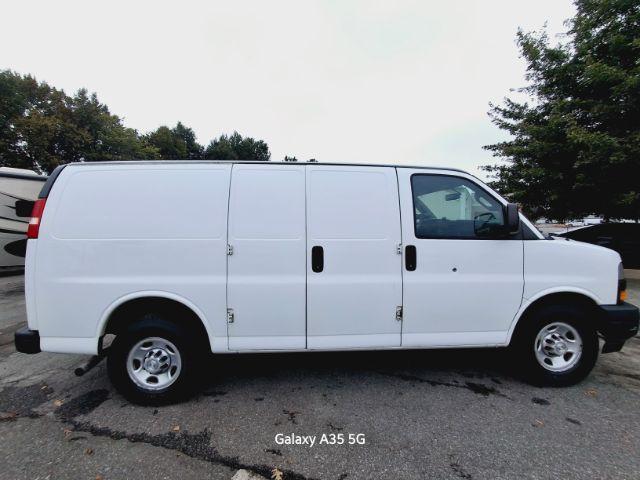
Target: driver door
pixel 461 286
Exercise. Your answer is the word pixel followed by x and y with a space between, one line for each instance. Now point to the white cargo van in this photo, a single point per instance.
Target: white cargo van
pixel 181 259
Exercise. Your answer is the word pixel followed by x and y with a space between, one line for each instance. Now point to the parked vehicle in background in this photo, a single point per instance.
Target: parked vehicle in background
pixel 580 222
pixel 19 188
pixel 592 220
pixel 574 223
pixel 181 259
pixel 624 238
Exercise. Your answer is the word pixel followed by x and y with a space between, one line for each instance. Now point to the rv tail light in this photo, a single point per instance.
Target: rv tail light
pixel 36 217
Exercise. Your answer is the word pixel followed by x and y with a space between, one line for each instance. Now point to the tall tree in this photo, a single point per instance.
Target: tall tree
pixel 170 146
pixel 106 138
pixel 235 147
pixel 575 146
pixel 178 143
pixel 36 126
pixel 42 127
pixel 195 151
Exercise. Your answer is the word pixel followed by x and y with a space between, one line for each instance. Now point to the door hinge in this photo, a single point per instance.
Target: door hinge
pixel 229 249
pixel 399 249
pixel 230 315
pixel 399 314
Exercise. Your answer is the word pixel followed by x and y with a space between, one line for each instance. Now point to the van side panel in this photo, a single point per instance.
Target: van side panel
pixel 267 276
pixel 109 232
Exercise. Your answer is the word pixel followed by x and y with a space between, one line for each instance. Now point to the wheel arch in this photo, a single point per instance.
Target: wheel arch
pixel 579 298
pixel 126 309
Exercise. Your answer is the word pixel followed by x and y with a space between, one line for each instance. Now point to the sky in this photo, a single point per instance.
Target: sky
pixel 398 81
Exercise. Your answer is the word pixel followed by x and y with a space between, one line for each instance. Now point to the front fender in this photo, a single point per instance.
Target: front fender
pixel 527 302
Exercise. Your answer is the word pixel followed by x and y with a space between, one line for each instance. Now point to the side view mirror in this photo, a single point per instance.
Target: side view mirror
pixel 512 222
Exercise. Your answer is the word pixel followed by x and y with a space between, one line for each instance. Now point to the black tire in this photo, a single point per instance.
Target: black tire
pixel 190 350
pixel 523 345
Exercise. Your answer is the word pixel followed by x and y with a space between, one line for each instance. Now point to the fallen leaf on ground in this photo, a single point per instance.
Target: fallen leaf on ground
pixel 58 403
pixel 276 474
pixel 99 477
pixel 176 428
pixel 592 392
pixel 538 423
pixel 88 451
pixel 67 432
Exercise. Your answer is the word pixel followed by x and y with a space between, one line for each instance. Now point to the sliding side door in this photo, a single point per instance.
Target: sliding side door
pixel 354 284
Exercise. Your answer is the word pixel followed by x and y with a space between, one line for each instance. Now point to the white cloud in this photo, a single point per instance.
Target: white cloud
pixel 364 81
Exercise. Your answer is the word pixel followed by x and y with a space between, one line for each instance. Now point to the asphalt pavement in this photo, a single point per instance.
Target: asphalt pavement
pixel 457 414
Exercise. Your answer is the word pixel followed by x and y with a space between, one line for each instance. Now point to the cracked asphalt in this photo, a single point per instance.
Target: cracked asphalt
pixel 457 414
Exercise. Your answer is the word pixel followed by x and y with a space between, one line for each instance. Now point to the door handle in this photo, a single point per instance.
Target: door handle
pixel 410 257
pixel 317 259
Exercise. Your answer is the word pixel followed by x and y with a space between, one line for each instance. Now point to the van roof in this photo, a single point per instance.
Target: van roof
pixel 268 162
pixel 54 175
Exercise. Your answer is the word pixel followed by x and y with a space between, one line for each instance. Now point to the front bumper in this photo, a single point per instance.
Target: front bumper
pixel 27 341
pixel 617 323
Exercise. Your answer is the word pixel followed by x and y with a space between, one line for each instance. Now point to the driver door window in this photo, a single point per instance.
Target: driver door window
pixel 453 207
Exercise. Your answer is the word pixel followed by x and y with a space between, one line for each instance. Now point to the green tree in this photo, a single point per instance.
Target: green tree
pixel 106 137
pixel 41 127
pixel 170 146
pixel 36 126
pixel 178 143
pixel 195 151
pixel 575 146
pixel 235 147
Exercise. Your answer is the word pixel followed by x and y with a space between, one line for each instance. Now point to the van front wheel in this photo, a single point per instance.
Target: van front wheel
pixel 557 345
pixel 152 361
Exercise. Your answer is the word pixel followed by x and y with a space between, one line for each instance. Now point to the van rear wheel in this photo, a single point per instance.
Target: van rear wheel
pixel 153 361
pixel 556 346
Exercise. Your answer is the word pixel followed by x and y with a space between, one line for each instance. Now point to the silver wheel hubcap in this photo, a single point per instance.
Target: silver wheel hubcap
pixel 558 347
pixel 154 363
